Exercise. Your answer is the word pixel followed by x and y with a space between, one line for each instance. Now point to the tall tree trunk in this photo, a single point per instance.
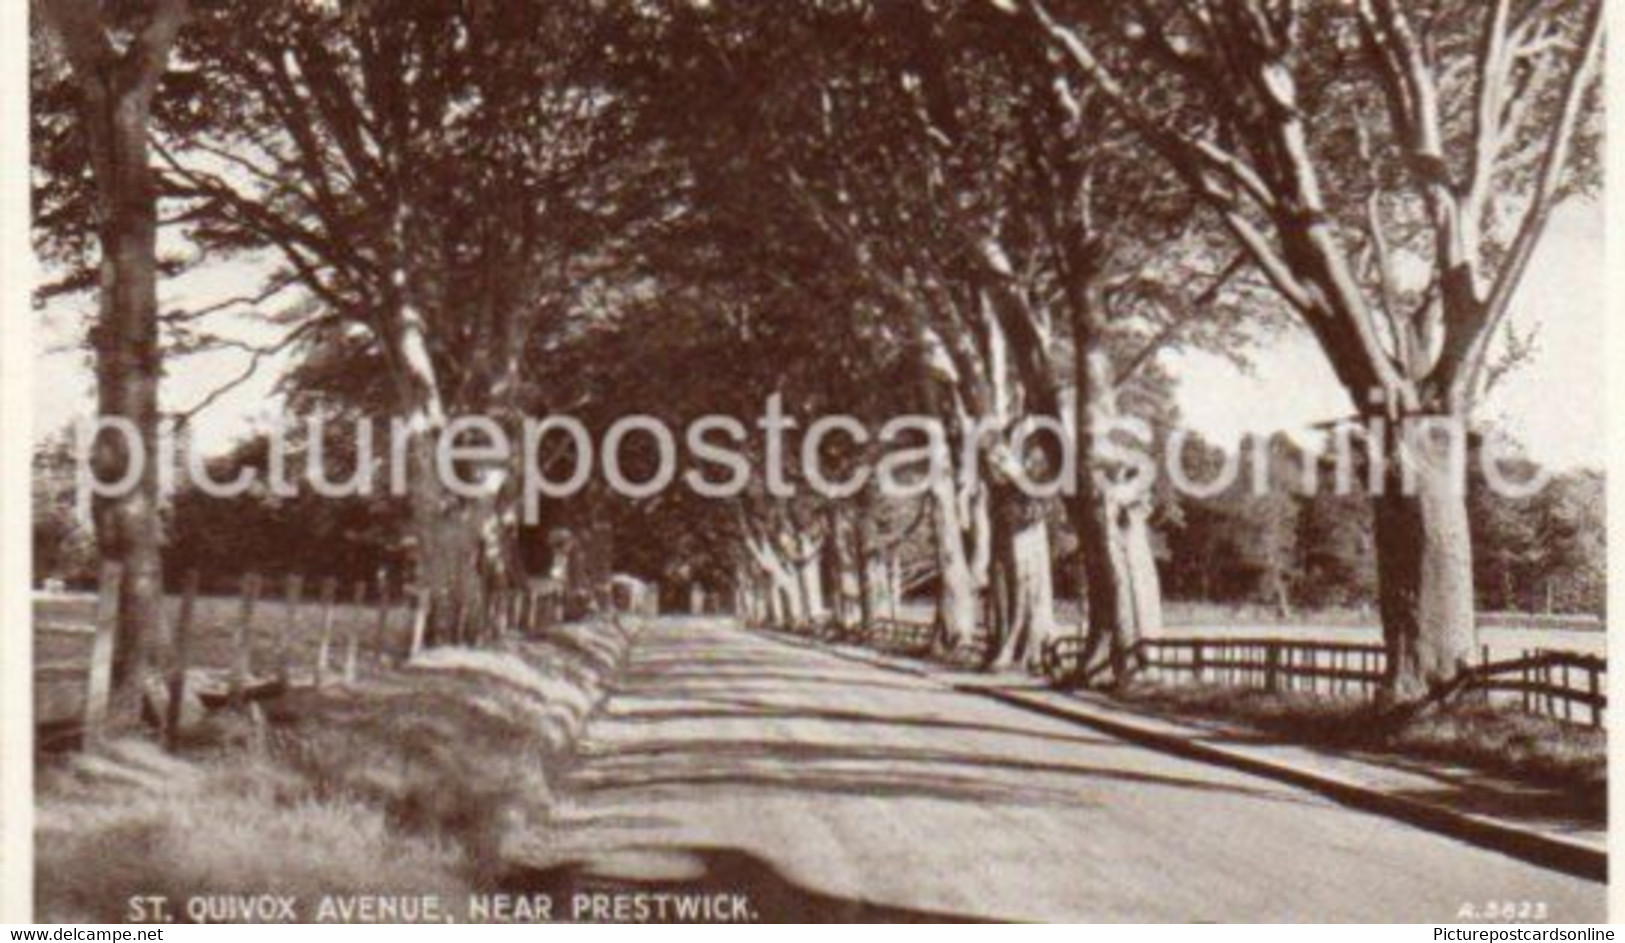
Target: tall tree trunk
pixel 1025 596
pixel 778 613
pixel 1112 629
pixel 792 601
pixel 865 559
pixel 1424 565
pixel 810 581
pixel 1122 593
pixel 750 599
pixel 878 592
pixel 1138 567
pixel 444 550
pixel 782 591
pixel 448 530
pixel 762 597
pixel 848 583
pixel 958 595
pixel 115 91
pixel 127 371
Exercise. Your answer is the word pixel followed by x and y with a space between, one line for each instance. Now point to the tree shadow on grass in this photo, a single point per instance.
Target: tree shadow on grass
pixel 1574 805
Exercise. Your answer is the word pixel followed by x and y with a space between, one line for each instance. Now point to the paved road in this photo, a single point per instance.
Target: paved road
pixel 823 788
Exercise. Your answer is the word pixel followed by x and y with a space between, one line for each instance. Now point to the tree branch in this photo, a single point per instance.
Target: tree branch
pixel 256 356
pixel 1171 331
pixel 1467 342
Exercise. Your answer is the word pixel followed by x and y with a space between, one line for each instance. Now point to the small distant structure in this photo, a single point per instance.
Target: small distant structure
pixel 634 596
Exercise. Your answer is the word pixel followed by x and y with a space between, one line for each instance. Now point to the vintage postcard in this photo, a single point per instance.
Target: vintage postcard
pixel 714 461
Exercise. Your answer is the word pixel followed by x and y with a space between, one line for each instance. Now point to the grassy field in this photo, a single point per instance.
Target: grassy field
pixel 63 633
pixel 407 783
pixel 1506 634
pixel 216 617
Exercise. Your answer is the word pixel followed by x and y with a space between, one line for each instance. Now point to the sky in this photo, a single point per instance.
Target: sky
pixel 1553 404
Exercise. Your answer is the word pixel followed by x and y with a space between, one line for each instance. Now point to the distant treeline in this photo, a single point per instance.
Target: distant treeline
pixel 1295 550
pixel 1287 550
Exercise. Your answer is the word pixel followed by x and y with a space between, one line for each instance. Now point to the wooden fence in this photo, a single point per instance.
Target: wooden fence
pixel 894 636
pixel 1267 664
pixel 1566 685
pixel 1563 685
pixel 900 636
pixel 337 655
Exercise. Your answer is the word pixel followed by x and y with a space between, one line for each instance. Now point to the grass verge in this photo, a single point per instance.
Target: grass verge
pixel 1498 740
pixel 406 783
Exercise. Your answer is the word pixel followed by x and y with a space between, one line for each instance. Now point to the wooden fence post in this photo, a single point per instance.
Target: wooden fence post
pixel 382 628
pixel 1528 679
pixel 179 657
pixel 100 685
pixel 243 644
pixel 1594 687
pixel 420 622
pixel 459 619
pixel 293 590
pixel 352 635
pixel 330 588
pixel 1272 667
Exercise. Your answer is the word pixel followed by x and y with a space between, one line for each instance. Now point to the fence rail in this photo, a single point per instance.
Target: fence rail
pixel 1555 684
pixel 900 636
pixel 1269 664
pixel 337 652
pixel 1562 685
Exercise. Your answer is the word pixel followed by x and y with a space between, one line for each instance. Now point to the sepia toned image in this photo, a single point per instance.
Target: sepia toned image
pixel 675 461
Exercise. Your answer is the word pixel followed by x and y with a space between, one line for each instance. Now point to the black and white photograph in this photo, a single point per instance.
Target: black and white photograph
pixel 807 461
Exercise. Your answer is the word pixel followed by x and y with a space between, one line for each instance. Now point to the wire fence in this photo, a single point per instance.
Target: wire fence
pixel 314 636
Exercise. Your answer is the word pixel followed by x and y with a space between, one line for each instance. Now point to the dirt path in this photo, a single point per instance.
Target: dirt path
pixel 825 789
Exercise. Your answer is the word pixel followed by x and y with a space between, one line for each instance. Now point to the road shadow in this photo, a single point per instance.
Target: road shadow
pixel 736 709
pixel 710 883
pixel 1560 807
pixel 697 720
